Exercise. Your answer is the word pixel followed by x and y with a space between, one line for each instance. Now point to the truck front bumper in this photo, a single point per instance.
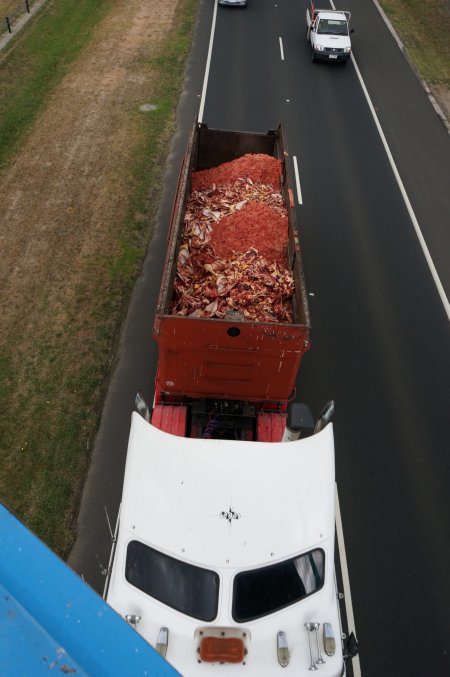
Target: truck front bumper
pixel 340 57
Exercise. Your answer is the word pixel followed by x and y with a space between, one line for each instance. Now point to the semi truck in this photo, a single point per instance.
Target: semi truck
pixel 223 553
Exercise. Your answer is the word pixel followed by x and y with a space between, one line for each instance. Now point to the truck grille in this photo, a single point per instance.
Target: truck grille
pixel 333 50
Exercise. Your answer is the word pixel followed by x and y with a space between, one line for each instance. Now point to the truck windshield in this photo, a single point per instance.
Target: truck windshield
pixel 333 27
pixel 263 591
pixel 192 590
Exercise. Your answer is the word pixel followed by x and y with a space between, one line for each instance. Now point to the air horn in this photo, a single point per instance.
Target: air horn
pixel 319 660
pixel 310 628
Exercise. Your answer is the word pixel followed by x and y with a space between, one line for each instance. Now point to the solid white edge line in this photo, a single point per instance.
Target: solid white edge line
pixel 208 64
pixel 281 49
pixel 403 192
pixel 297 180
pixel 346 581
pixel 406 200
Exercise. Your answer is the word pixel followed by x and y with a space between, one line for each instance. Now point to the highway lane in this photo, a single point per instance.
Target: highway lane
pixel 416 136
pixel 414 132
pixel 380 333
pixel 380 337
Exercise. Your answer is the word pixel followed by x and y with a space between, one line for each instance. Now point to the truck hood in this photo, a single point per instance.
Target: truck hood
pixel 226 502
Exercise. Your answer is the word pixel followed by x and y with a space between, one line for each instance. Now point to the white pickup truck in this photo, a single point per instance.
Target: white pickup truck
pixel 329 34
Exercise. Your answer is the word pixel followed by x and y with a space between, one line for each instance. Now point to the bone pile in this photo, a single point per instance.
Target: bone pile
pixel 233 249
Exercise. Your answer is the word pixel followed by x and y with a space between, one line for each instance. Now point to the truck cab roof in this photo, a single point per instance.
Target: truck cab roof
pixel 336 16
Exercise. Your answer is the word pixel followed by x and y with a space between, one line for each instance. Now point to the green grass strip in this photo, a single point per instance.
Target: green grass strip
pixel 424 28
pixel 36 61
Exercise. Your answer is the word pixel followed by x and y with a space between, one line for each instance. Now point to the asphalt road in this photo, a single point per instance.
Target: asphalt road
pixel 380 332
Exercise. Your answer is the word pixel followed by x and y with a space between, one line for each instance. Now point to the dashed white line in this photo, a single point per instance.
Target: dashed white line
pixel 346 581
pixel 297 181
pixel 281 49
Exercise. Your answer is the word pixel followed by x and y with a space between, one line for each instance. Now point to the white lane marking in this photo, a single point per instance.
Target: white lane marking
pixel 412 216
pixel 281 49
pixel 297 181
pixel 346 581
pixel 208 64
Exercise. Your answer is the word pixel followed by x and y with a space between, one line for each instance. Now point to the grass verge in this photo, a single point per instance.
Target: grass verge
pixel 36 61
pixel 424 27
pixel 51 395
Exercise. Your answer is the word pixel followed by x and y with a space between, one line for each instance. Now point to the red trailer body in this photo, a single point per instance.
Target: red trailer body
pixel 233 360
pixel 229 359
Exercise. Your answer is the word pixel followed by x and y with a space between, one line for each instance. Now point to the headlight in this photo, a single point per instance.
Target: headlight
pixel 319 48
pixel 347 49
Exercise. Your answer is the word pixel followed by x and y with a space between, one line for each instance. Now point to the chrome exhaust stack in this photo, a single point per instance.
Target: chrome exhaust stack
pixel 319 660
pixel 142 407
pixel 325 417
pixel 310 629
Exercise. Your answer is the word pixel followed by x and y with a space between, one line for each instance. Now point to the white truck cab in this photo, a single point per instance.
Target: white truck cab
pixel 329 34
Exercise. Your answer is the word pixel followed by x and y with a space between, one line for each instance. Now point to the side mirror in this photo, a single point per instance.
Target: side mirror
pixel 352 30
pixel 351 647
pixel 299 420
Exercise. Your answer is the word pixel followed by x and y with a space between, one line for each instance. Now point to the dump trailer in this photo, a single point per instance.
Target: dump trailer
pixel 229 376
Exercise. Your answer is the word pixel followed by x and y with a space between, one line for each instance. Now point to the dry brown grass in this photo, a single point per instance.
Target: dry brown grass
pixel 71 243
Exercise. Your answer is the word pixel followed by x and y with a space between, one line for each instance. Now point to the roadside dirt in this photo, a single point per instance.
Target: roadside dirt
pixel 65 214
pixel 65 190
